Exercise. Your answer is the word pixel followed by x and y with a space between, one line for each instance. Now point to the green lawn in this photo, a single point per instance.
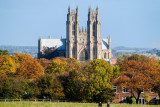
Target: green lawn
pixel 51 104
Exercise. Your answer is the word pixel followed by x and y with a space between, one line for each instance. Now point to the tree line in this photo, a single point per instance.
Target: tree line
pixel 22 77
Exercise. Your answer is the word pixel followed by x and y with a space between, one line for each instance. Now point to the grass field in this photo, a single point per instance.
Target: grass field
pixel 51 104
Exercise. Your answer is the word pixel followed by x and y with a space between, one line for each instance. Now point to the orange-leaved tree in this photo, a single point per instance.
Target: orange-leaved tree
pixel 44 62
pixel 27 66
pixel 139 73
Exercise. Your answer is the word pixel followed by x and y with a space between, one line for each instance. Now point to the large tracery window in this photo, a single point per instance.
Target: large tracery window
pixel 83 56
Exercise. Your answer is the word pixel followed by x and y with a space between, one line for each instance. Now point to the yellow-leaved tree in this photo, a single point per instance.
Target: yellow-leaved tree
pixel 7 64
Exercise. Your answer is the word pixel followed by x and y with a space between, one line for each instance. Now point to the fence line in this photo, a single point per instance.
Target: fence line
pixel 35 100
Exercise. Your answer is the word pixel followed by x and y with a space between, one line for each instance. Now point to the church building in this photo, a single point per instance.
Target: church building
pixel 81 44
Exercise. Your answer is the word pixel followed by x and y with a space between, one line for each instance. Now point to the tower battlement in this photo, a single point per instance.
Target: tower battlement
pixel 84 30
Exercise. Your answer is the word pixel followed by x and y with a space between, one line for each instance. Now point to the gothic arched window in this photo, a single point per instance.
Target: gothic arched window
pixel 105 55
pixel 73 29
pixel 94 29
pixel 74 52
pixel 94 52
pixel 83 56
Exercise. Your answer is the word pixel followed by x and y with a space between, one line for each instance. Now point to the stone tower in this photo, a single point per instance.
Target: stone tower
pixel 83 44
pixel 94 34
pixel 109 48
pixel 72 32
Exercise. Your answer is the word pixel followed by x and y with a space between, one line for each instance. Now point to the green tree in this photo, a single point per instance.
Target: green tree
pixel 4 52
pixel 120 59
pixel 91 83
pixel 100 78
pixel 31 89
pixel 3 78
pixel 50 87
pixel 116 72
pixel 76 83
pixel 14 88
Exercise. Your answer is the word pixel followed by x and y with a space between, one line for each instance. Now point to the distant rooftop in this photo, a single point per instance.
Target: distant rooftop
pixel 58 43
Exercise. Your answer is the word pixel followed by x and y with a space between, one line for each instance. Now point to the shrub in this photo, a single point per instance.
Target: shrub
pixel 146 97
pixel 133 100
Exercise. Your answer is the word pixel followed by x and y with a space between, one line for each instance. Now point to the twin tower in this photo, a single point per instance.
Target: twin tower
pixel 86 44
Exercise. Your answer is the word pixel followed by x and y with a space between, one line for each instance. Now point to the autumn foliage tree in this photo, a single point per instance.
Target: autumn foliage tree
pixel 92 82
pixel 57 66
pixel 14 88
pixel 7 64
pixel 76 84
pixel 3 78
pixel 27 66
pixel 139 73
pixel 50 87
pixel 156 87
pixel 100 76
pixel 44 62
pixel 156 81
pixel 72 64
pixel 62 65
